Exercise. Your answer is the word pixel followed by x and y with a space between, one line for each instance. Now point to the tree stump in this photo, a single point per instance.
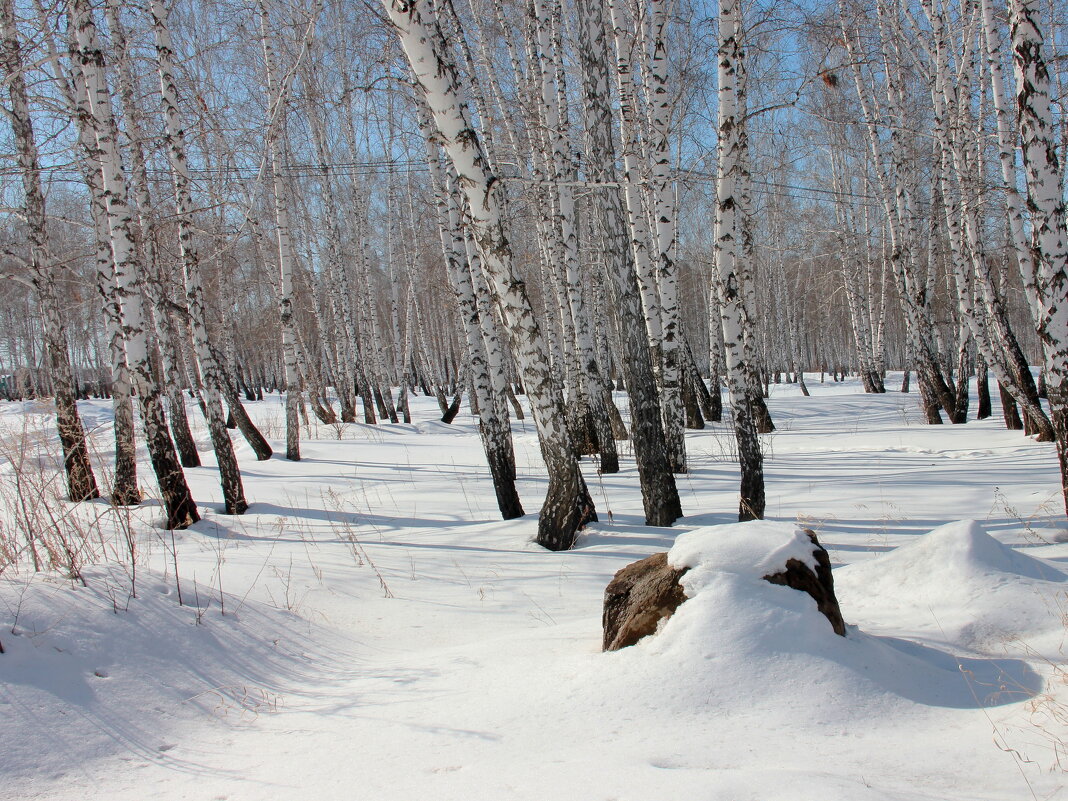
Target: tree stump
pixel 820 585
pixel 639 596
pixel 647 591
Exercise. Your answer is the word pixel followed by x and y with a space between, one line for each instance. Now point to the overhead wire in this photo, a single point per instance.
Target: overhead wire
pixel 64 173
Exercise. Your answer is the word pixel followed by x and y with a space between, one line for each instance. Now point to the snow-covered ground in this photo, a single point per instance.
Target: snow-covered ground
pixel 370 630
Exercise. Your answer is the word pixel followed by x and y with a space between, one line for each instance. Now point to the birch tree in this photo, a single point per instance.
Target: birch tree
pixel 897 182
pixel 568 506
pixel 588 399
pixel 659 492
pixel 728 253
pixel 81 483
pixel 663 202
pixel 174 140
pixel 460 263
pixel 277 89
pixel 982 309
pixel 159 311
pixel 89 60
pixel 72 91
pixel 1046 205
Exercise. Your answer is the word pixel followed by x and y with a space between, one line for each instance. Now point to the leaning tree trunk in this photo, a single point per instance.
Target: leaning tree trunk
pixel 896 181
pixel 157 303
pixel 229 371
pixel 496 436
pixel 177 500
pixel 982 310
pixel 174 139
pixel 1036 421
pixel 81 483
pixel 568 506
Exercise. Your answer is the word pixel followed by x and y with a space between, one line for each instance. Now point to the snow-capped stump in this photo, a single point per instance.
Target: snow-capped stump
pixel 646 592
pixel 817 582
pixel 637 598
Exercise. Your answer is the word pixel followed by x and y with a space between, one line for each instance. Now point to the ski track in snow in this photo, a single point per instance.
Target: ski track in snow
pixel 288 673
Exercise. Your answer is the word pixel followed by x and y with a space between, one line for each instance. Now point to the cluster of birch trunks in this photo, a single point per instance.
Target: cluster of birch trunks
pixel 527 198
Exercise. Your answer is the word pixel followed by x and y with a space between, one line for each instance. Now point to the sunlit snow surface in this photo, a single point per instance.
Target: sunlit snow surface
pixel 481 677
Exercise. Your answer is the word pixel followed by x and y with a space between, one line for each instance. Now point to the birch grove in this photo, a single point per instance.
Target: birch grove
pixel 633 220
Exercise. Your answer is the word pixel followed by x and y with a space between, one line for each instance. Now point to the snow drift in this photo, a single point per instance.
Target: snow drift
pixel 740 643
pixel 969 588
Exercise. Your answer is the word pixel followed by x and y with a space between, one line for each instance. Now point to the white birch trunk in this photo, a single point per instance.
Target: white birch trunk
pixel 81 483
pixel 210 370
pixel 659 493
pixel 896 183
pixel 159 319
pixel 124 489
pixel 493 416
pixel 1045 202
pixel 568 506
pixel 728 251
pixel 663 203
pixel 632 177
pixel 286 253
pixel 181 510
pixel 981 306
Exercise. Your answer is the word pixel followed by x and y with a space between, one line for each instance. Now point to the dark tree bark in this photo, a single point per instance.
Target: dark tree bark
pixel 252 435
pixel 454 407
pixel 1009 410
pixel 982 387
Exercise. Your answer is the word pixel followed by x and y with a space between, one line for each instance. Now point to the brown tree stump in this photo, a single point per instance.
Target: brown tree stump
pixel 638 598
pixel 820 585
pixel 647 591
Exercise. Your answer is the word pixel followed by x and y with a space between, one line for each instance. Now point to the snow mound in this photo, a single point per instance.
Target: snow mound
pixel 961 549
pixel 740 644
pixel 968 586
pixel 732 614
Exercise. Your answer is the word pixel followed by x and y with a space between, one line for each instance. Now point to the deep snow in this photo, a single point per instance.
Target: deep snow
pixel 385 637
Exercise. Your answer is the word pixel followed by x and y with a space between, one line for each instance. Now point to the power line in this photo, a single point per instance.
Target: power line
pixel 407 166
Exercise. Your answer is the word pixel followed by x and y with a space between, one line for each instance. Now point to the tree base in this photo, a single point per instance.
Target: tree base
pixel 125 497
pixel 236 508
pixel 567 510
pixel 182 514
